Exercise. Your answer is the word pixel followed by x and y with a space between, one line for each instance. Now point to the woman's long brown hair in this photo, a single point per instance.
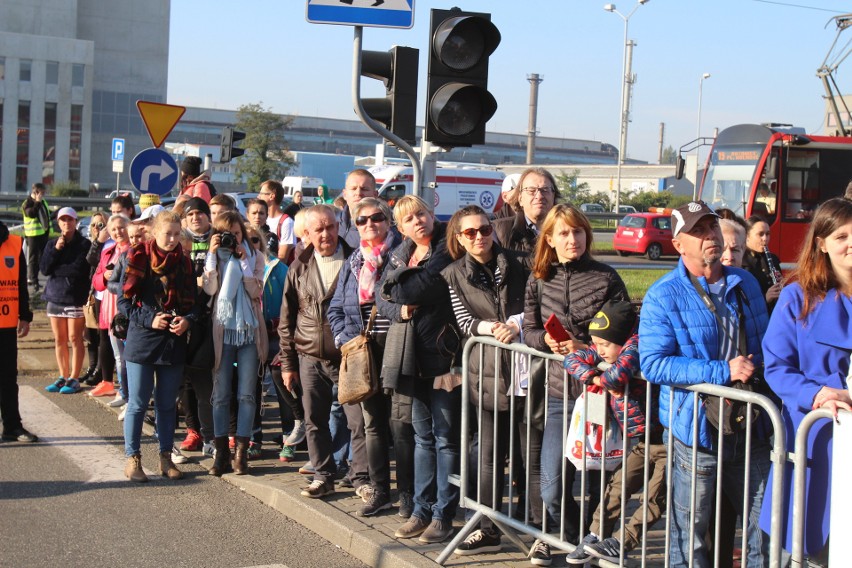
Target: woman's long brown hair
pixel 545 255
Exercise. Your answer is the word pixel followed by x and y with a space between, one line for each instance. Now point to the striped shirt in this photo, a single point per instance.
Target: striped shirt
pixel 464 319
pixel 381 325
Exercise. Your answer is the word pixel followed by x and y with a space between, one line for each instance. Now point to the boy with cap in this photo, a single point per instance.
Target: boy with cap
pixel 615 341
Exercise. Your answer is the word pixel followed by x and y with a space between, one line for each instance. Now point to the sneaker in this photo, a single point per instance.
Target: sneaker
pixel 122 413
pixel 540 554
pixel 406 504
pixel 117 402
pixel 208 449
pixel 178 457
pixel 378 501
pixel 72 386
pixel 581 553
pixel 192 442
pixel 437 531
pixel 297 435
pixel 365 492
pixel 317 489
pixel 479 541
pixel 307 469
pixel 55 386
pixel 104 388
pixel 254 452
pixel 412 527
pixel 287 454
pixel 19 435
pixel 607 549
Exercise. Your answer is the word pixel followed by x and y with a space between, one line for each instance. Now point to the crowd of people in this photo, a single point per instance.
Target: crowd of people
pixel 202 303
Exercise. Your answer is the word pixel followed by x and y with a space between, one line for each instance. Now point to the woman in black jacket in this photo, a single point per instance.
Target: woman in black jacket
pixel 66 291
pixel 568 283
pixel 761 263
pixel 425 394
pixel 486 288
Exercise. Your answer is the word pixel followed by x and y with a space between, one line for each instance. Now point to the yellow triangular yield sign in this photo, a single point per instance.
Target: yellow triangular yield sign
pixel 159 119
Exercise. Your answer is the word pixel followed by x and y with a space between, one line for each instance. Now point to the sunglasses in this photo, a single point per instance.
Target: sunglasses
pixel 379 217
pixel 484 230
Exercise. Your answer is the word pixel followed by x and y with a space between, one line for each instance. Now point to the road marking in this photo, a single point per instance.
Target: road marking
pixel 100 460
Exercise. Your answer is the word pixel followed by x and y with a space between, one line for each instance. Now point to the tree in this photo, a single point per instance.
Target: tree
pixel 669 155
pixel 570 191
pixel 267 150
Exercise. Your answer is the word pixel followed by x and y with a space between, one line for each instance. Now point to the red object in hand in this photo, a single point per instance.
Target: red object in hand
pixel 555 329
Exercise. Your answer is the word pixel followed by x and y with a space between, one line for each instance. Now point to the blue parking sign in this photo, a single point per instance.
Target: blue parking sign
pixel 117 149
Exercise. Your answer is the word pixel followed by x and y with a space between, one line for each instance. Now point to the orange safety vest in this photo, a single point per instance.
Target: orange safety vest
pixel 10 254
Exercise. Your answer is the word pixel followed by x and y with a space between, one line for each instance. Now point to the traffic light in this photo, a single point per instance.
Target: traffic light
pixel 458 102
pixel 228 150
pixel 397 69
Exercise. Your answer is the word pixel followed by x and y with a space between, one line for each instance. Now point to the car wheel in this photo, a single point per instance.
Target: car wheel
pixel 655 251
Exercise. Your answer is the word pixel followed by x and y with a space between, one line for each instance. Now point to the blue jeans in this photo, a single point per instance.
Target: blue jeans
pixel 247 366
pixel 120 366
pixel 733 475
pixel 140 384
pixel 435 416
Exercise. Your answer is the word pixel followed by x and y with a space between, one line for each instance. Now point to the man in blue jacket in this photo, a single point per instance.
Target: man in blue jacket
pixel 684 343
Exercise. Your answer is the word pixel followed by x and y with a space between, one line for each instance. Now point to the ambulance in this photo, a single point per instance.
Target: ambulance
pixel 456 187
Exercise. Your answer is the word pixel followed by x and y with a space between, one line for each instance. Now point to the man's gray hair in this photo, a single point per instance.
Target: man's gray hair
pixel 738 229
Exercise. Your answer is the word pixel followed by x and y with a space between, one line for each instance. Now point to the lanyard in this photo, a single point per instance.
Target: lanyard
pixel 741 343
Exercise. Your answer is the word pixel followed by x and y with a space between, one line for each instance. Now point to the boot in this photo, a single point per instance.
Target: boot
pixel 133 469
pixel 240 462
pixel 92 376
pixel 167 466
pixel 222 461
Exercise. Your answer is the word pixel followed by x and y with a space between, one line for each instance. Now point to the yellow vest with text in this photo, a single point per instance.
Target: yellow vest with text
pixel 10 255
pixel 32 226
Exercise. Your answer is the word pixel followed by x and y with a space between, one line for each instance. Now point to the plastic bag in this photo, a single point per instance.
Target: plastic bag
pixel 594 438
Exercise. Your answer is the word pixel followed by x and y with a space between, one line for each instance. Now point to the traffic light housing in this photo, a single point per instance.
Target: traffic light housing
pixel 397 69
pixel 228 150
pixel 458 102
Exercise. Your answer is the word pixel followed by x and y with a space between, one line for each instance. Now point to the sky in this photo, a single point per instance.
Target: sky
pixel 762 56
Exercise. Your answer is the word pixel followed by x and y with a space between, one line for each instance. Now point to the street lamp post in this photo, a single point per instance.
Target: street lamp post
pixel 622 144
pixel 698 131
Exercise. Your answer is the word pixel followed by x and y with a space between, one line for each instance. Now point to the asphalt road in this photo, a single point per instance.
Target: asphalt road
pixel 64 502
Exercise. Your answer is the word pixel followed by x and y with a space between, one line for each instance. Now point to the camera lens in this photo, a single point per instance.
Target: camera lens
pixel 100 225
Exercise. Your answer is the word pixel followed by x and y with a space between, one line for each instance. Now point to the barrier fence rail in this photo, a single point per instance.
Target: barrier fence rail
pixel 483 497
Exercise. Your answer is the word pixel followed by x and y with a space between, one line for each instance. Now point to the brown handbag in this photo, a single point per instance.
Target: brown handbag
pixel 90 313
pixel 359 374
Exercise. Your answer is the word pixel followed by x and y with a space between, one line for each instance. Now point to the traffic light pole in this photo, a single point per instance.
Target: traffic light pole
pixel 372 124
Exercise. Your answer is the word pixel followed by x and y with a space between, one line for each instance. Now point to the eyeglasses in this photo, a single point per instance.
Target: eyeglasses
pixel 544 191
pixel 484 230
pixel 379 217
pixel 255 240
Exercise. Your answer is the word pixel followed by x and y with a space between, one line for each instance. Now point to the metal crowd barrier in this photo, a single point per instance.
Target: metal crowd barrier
pixel 511 526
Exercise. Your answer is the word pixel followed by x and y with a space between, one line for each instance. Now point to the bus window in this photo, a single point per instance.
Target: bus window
pixel 802 184
pixel 392 193
pixel 729 176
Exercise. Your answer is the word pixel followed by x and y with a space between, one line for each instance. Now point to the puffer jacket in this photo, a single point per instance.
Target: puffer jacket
pixel 575 292
pixel 436 336
pixel 344 312
pixel 680 342
pixel 467 278
pixel 67 271
pixel 304 328
pixel 514 234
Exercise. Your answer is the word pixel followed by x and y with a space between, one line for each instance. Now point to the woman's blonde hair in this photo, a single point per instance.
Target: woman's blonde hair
pixel 254 233
pixel 299 223
pixel 545 255
pixel 408 205
pixel 164 218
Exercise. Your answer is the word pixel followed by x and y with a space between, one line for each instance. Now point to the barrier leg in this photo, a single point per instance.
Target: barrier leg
pixel 465 531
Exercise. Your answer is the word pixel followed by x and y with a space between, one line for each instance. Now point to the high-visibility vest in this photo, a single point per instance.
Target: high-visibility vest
pixel 10 254
pixel 32 225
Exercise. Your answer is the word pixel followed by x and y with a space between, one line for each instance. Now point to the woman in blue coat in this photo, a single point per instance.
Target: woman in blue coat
pixel 806 352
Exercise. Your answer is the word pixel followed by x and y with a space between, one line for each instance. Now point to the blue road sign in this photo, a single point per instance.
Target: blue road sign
pixel 373 13
pixel 117 149
pixel 153 171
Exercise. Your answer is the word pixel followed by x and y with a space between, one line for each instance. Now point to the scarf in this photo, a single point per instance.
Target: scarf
pixel 369 273
pixel 233 306
pixel 172 291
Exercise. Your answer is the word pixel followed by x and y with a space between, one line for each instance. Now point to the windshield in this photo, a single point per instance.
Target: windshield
pixel 729 176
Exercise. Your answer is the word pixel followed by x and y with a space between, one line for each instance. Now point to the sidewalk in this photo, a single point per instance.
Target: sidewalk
pixel 278 485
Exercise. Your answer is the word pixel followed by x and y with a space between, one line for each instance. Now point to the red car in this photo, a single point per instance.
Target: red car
pixel 644 233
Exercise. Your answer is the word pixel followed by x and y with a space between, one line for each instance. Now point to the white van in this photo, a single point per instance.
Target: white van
pixel 455 187
pixel 307 185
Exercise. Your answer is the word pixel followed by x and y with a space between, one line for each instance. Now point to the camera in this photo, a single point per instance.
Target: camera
pixel 110 266
pixel 99 225
pixel 228 240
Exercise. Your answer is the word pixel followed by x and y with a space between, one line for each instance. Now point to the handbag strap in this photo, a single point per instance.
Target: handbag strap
pixel 741 343
pixel 369 329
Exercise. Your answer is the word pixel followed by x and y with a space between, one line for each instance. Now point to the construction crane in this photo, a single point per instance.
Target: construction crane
pixel 836 55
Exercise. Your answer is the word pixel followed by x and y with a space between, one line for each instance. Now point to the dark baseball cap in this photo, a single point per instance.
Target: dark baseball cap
pixel 686 216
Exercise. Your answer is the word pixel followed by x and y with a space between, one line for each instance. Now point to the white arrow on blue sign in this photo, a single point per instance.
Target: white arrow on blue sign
pixel 153 171
pixel 373 13
pixel 117 149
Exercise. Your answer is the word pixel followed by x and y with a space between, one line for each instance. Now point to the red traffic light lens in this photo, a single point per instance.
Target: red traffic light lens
pixel 461 43
pixel 458 109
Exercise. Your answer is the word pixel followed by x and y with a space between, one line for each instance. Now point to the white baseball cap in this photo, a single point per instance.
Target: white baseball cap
pixel 66 212
pixel 151 212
